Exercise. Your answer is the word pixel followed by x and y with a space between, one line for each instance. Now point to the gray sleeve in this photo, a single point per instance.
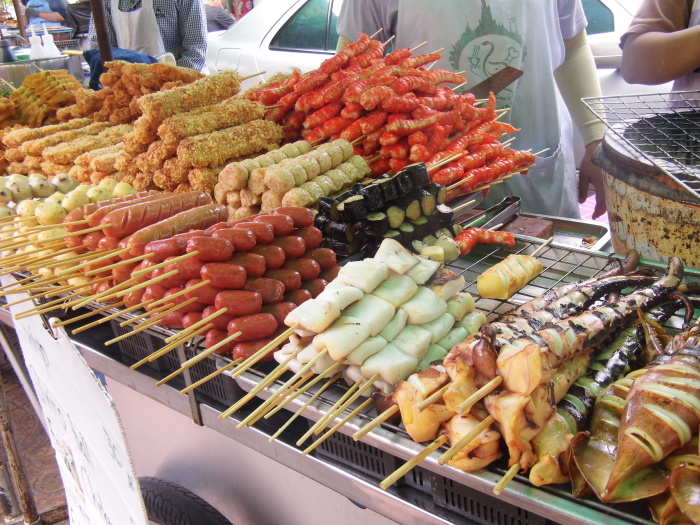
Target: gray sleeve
pixel 368 16
pixel 92 34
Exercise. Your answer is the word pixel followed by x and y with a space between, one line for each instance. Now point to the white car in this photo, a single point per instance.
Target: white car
pixel 279 34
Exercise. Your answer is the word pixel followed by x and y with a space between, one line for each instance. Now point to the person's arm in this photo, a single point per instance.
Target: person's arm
pixel 224 19
pixel 658 57
pixel 51 16
pixel 577 78
pixel 192 25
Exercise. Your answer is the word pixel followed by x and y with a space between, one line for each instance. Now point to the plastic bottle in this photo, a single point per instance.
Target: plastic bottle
pixel 36 50
pixel 50 48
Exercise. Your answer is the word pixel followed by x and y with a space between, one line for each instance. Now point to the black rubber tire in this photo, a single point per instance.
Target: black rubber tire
pixel 172 504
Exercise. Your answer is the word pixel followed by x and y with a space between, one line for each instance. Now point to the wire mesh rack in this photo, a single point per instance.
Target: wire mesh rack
pixel 664 128
pixel 72 44
pixel 562 265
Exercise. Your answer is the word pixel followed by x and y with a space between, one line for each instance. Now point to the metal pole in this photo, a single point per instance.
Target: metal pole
pixel 20 21
pixel 19 477
pixel 100 21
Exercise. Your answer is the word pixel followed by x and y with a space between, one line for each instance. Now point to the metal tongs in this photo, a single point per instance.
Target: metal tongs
pixel 496 216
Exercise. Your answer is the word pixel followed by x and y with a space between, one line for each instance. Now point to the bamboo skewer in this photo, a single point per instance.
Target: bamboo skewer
pixel 257 356
pixel 65 236
pixel 335 428
pixel 41 263
pixel 361 390
pixel 148 313
pixel 465 406
pixel 196 325
pixel 93 312
pixel 326 385
pixel 56 304
pixel 20 256
pixel 286 385
pixel 389 40
pixel 194 360
pixel 163 300
pixel 375 422
pixel 59 225
pixel 108 318
pixel 323 418
pixel 507 478
pixel 445 161
pixel 179 258
pixel 432 398
pixel 459 86
pixel 415 460
pixel 211 376
pixel 119 290
pixel 296 394
pixel 145 326
pixel 376 33
pixel 462 206
pixel 281 369
pixel 466 439
pixel 418 46
pixel 257 414
pixel 542 246
pixel 118 264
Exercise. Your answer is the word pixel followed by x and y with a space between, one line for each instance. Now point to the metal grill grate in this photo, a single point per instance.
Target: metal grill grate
pixel 663 128
pixel 562 265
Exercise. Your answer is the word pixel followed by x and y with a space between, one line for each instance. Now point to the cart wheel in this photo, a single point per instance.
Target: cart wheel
pixel 172 504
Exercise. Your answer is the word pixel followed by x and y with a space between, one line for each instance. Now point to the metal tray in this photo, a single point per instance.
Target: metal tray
pixel 572 232
pixel 563 263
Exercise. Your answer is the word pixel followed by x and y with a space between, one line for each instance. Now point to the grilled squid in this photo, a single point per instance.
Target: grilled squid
pixel 633 431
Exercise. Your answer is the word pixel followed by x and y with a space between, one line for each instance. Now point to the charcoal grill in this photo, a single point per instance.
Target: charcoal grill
pixel 651 162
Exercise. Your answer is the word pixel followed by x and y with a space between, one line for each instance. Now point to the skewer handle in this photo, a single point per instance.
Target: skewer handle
pixel 507 478
pixel 401 471
pixel 375 422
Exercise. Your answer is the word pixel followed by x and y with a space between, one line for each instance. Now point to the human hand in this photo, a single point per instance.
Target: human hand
pixel 31 12
pixel 589 173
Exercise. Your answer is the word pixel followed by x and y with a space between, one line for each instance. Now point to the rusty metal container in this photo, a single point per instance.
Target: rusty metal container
pixel 648 210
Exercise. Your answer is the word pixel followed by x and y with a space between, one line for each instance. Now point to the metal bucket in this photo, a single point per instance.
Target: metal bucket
pixel 648 210
pixel 16 72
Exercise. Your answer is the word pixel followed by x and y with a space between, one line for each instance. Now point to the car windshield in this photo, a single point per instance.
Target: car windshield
pixel 310 28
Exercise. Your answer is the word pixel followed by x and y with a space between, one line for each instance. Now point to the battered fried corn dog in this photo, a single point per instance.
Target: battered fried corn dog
pixel 85 159
pixel 67 152
pixel 231 112
pixel 204 179
pixel 106 162
pixel 168 73
pixel 214 149
pixel 214 88
pixel 15 138
pixel 36 147
pixel 173 173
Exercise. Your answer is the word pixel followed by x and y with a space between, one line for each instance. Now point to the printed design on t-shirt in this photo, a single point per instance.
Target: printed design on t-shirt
pixel 486 49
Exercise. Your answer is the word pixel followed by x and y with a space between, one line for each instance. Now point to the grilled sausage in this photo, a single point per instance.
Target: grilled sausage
pixel 302 217
pixel 289 278
pixel 210 249
pixel 226 276
pixel 165 248
pixel 292 245
pixel 206 294
pixel 254 264
pixel 197 218
pixel 312 236
pixel 298 296
pixel 323 256
pixel 254 326
pixel 264 233
pixel 215 336
pixel 220 322
pixel 307 268
pixel 271 290
pixel 274 255
pixel 282 224
pixel 315 286
pixel 242 240
pixel 280 310
pixel 239 302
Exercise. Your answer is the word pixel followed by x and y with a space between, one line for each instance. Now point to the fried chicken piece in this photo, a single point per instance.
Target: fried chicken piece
pixel 142 74
pixel 158 152
pixel 168 73
pixel 173 173
pixel 214 149
pixel 183 188
pixel 87 157
pixel 18 167
pixel 14 155
pixel 214 88
pixel 50 168
pixel 37 146
pixel 204 179
pixel 33 162
pixel 97 176
pixel 143 182
pixel 80 173
pixel 230 112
